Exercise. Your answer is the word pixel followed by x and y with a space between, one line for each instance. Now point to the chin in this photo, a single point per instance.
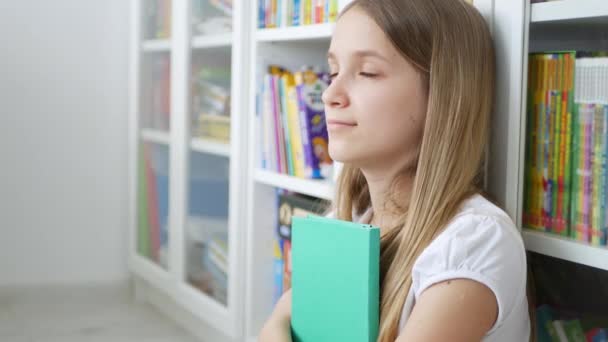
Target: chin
pixel 340 153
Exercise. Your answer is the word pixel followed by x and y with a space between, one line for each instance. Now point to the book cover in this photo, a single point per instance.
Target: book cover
pixel 310 87
pixel 335 280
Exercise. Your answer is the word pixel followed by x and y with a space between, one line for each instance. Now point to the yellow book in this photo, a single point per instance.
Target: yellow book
pixel 295 131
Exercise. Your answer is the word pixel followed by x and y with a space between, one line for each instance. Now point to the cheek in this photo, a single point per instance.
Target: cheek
pixel 396 116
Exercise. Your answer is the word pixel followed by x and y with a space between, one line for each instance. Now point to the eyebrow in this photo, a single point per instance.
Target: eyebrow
pixel 361 53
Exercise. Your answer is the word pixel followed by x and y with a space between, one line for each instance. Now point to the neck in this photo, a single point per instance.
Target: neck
pixel 389 194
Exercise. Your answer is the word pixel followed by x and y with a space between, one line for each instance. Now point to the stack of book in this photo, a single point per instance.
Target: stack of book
pixel 292 132
pixel 282 13
pixel 211 103
pixel 211 16
pixel 567 145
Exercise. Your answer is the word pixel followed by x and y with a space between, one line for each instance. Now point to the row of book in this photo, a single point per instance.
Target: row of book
pixel 211 103
pixel 289 205
pixel 284 13
pixel 156 93
pixel 153 206
pixel 157 19
pixel 292 132
pixel 550 328
pixel 567 145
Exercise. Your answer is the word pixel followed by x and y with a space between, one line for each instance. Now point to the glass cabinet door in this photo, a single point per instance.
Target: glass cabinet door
pixel 207 219
pixel 154 119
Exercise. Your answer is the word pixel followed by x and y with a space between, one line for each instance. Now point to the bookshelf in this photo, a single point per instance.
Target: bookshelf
pixel 195 166
pixel 187 137
pixel 557 26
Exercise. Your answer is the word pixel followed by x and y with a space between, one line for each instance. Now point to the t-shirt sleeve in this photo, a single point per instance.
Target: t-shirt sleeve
pixel 485 249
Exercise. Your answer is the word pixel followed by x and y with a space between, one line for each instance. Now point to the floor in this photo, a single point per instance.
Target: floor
pixel 83 314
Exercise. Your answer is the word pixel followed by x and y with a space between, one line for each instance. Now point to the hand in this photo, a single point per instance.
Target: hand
pixel 278 326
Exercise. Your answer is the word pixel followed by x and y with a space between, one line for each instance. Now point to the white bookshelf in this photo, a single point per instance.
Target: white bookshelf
pixel 202 179
pixel 562 25
pixel 570 12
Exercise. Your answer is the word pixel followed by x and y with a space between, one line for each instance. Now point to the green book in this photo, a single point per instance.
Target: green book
pixel 335 280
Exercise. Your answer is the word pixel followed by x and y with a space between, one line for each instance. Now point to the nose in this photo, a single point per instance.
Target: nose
pixel 335 95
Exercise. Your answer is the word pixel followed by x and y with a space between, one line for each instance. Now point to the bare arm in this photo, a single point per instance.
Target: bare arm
pixel 455 310
pixel 278 327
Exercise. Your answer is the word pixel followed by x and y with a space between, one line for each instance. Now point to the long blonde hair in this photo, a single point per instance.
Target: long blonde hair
pixel 449 43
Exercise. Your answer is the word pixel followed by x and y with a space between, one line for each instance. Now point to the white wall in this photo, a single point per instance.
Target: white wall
pixel 63 141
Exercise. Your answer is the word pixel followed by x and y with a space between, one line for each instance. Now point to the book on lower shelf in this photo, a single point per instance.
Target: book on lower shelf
pixel 153 187
pixel 290 205
pixel 568 310
pixel 567 145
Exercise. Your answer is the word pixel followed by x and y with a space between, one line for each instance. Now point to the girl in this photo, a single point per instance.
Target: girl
pixel 408 112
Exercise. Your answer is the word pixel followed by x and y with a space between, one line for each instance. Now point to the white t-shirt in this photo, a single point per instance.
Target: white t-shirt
pixel 480 243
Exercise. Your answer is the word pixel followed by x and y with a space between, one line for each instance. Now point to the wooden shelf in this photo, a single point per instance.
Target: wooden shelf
pixel 296 33
pixel 317 188
pixel 570 11
pixel 565 248
pixel 212 41
pixel 210 147
pixel 155 136
pixel 156 45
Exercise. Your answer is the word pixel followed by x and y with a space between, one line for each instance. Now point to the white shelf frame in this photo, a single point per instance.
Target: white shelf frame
pixel 317 188
pixel 156 45
pixel 210 147
pixel 156 136
pixel 295 33
pixel 566 11
pixel 222 40
pixel 566 249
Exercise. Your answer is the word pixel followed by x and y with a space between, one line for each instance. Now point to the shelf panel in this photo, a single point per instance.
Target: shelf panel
pixel 570 11
pixel 317 188
pixel 567 249
pixel 153 45
pixel 210 146
pixel 295 33
pixel 155 136
pixel 212 41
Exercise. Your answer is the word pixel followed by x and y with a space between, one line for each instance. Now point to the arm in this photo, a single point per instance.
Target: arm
pixel 454 310
pixel 278 327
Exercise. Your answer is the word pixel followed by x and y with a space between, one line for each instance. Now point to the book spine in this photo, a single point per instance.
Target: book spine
pixel 297 12
pixel 285 123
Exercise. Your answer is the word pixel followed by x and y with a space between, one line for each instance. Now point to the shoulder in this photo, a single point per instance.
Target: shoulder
pixel 480 243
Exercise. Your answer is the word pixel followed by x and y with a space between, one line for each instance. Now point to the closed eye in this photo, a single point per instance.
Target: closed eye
pixel 367 74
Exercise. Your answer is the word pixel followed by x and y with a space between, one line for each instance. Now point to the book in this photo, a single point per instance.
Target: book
pixel 290 206
pixel 335 280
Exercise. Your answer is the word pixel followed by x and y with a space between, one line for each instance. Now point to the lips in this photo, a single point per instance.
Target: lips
pixel 340 123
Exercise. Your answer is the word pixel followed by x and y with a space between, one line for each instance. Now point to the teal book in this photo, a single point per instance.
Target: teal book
pixel 335 280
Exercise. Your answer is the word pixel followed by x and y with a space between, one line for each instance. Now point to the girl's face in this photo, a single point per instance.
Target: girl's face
pixel 376 103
